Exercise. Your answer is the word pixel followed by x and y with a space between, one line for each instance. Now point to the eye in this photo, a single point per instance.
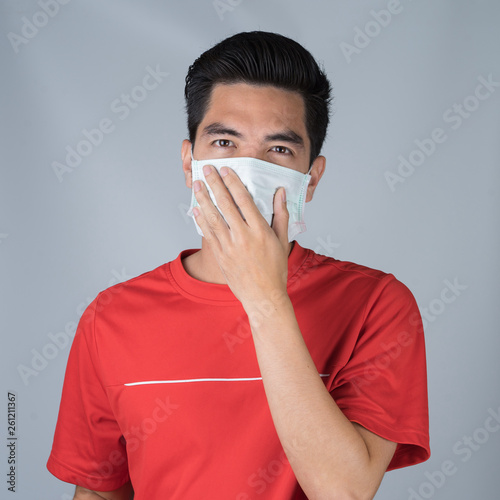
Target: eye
pixel 281 150
pixel 223 143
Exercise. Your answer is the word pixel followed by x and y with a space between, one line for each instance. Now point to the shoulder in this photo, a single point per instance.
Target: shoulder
pixel 351 276
pixel 354 287
pixel 122 297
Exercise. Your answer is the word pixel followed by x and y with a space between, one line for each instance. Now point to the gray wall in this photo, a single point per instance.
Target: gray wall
pixel 119 212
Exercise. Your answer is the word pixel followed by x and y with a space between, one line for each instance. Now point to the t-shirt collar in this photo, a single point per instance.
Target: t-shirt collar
pixel 214 293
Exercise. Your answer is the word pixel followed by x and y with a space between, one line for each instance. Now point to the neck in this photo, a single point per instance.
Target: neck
pixel 203 266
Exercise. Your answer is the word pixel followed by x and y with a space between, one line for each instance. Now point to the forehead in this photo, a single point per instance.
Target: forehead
pixel 256 108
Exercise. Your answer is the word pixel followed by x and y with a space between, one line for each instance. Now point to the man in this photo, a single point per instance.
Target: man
pixel 253 367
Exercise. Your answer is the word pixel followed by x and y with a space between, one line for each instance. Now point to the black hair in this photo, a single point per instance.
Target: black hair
pixel 261 58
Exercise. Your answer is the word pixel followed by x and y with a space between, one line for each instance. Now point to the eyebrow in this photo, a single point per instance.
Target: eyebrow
pixel 286 135
pixel 218 128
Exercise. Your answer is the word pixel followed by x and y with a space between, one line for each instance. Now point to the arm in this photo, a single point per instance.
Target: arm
pixel 330 456
pixel 123 493
pixel 95 453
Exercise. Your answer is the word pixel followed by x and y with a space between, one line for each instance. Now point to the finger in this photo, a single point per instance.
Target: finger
pixel 281 216
pixel 223 196
pixel 207 215
pixel 242 198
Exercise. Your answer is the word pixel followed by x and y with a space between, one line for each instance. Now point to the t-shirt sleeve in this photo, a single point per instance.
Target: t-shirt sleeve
pixel 383 386
pixel 88 448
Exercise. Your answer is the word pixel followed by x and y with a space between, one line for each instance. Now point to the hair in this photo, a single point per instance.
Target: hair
pixel 261 58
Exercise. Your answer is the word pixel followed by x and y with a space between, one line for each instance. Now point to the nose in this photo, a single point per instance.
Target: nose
pixel 250 151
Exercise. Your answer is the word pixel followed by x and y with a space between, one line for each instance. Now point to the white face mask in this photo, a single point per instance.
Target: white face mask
pixel 261 179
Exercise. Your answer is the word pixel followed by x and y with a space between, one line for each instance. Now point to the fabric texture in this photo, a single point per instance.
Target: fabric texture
pixel 163 386
pixel 262 179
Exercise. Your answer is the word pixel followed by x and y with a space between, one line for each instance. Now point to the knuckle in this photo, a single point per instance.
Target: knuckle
pixel 228 179
pixel 225 204
pixel 212 179
pixel 214 219
pixel 245 200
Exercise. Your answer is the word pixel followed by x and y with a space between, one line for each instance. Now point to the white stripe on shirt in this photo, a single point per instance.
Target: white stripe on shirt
pixel 150 382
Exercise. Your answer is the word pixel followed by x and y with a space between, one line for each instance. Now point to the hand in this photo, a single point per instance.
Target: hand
pixel 252 255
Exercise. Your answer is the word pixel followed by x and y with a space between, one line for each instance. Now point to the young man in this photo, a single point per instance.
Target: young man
pixel 253 367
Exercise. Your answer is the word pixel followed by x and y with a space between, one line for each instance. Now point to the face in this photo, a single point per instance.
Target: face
pixel 261 122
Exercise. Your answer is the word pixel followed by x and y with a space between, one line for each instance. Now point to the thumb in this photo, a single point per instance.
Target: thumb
pixel 280 219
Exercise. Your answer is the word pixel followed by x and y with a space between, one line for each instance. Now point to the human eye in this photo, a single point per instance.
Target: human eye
pixel 222 143
pixel 281 150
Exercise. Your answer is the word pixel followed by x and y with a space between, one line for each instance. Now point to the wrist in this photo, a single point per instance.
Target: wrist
pixel 268 309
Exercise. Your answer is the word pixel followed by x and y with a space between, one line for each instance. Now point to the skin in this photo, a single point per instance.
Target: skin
pixel 125 492
pixel 332 458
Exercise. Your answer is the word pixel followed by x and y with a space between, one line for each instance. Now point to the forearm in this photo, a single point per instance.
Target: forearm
pixel 87 495
pixel 326 452
pixel 125 492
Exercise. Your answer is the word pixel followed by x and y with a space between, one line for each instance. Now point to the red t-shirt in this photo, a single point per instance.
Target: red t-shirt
pixel 163 386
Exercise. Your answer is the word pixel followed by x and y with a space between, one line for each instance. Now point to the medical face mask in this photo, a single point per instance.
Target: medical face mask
pixel 262 179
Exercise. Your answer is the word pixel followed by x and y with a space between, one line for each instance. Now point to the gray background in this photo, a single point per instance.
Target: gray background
pixel 121 211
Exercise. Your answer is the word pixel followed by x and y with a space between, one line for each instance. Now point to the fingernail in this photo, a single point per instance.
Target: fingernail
pixel 224 171
pixel 283 196
pixel 207 169
pixel 197 186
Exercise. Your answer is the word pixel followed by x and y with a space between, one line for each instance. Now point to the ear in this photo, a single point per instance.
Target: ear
pixel 186 161
pixel 317 170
